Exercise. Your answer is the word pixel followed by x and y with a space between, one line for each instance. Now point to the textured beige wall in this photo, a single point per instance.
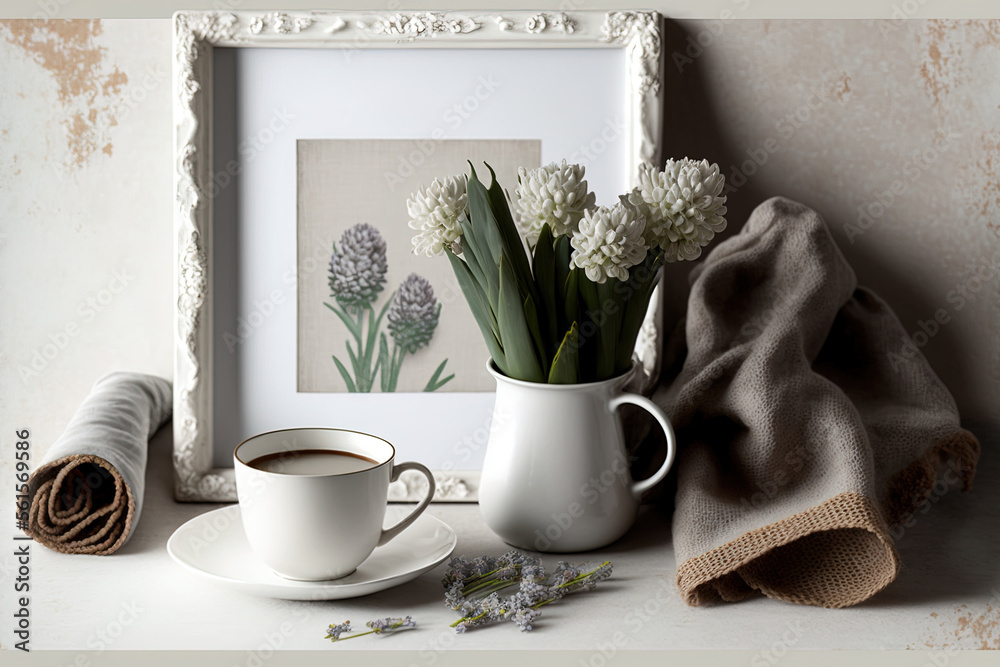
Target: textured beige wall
pixel 896 119
pixel 86 269
pixel 842 110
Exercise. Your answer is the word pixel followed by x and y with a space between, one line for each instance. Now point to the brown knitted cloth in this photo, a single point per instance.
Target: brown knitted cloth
pixel 81 506
pixel 807 428
pixel 86 495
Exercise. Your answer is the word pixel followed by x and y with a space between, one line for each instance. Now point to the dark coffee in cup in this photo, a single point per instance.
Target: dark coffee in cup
pixel 312 462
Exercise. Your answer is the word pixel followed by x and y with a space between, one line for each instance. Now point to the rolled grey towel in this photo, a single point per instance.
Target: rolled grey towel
pixel 86 495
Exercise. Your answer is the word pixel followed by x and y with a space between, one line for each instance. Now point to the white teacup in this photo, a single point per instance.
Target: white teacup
pixel 311 514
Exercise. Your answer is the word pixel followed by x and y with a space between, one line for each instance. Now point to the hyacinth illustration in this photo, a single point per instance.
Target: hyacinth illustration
pixel 413 313
pixel 357 277
pixel 683 206
pixel 380 626
pixel 609 242
pixel 556 195
pixel 436 213
pixel 413 318
pixel 358 267
pixel 473 588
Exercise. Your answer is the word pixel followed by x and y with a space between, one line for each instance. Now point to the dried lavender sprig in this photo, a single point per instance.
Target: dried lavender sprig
pixel 502 581
pixel 522 607
pixel 334 631
pixel 582 581
pixel 390 625
pixel 504 567
pixel 485 575
pixel 490 608
pixel 378 627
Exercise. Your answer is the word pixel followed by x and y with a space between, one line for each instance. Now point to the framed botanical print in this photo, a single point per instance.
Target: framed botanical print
pixel 300 137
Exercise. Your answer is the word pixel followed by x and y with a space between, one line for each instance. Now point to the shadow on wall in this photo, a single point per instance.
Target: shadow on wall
pixel 944 552
pixel 693 128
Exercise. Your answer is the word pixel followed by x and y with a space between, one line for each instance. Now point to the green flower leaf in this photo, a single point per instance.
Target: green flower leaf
pixel 384 363
pixel 562 253
pixel 608 320
pixel 480 310
pixel 351 325
pixel 640 289
pixel 515 337
pixel 483 221
pixel 481 265
pixel 571 298
pixel 433 384
pixel 344 374
pixel 508 230
pixel 534 327
pixel 544 269
pixel 566 364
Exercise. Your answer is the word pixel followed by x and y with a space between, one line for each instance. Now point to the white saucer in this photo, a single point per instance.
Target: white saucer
pixel 213 545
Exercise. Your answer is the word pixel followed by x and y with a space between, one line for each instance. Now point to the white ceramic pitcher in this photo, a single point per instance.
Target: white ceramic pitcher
pixel 556 474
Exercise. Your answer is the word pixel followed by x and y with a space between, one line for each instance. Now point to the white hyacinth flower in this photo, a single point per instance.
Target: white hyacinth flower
pixel 683 206
pixel 609 242
pixel 555 194
pixel 435 212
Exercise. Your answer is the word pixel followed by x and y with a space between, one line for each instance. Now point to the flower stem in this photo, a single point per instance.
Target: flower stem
pixel 364 383
pixel 577 579
pixel 475 581
pixel 468 618
pixel 491 586
pixel 352 636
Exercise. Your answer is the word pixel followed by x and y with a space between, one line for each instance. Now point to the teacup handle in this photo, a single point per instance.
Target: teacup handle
pixel 652 408
pixel 390 533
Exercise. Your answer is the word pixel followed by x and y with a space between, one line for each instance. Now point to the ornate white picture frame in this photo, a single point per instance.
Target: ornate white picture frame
pixel 197 33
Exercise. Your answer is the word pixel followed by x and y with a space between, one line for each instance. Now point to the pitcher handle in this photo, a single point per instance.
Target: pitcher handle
pixel 390 533
pixel 652 408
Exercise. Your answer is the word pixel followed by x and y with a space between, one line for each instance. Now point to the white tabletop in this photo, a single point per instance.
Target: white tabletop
pixel 140 599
